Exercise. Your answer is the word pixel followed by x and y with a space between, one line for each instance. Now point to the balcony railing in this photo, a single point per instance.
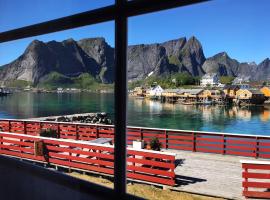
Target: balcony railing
pixel 257 146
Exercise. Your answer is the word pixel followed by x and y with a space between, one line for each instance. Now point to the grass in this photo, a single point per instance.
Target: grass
pixel 84 81
pixel 18 83
pixel 174 60
pixel 144 190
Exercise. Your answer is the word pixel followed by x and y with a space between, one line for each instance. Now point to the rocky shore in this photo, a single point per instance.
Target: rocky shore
pixel 92 118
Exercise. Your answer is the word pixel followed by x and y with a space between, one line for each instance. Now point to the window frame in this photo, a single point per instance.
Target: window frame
pixel 119 12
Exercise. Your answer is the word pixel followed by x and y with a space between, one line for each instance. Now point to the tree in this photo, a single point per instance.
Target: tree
pixel 226 80
pixel 184 79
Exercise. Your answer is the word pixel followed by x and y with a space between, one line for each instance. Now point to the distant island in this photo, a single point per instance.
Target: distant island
pixel 89 64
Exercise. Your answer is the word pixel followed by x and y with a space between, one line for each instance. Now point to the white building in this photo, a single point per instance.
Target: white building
pixel 60 90
pixel 210 79
pixel 156 91
pixel 240 80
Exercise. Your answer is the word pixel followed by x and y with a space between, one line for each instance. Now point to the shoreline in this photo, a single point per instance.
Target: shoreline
pixel 88 118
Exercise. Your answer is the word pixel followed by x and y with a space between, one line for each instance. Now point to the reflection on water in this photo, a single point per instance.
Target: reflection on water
pixel 248 120
pixel 141 112
pixel 26 104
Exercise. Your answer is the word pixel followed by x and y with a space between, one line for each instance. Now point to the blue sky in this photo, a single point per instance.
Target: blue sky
pixel 239 27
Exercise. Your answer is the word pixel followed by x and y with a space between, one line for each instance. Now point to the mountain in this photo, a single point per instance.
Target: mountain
pixel 146 60
pixel 69 59
pixel 103 54
pixel 247 71
pixel 168 57
pixel 263 70
pixel 222 64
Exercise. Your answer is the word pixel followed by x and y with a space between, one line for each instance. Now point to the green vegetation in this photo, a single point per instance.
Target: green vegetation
pixel 84 81
pixel 49 133
pixel 102 71
pixel 155 144
pixel 169 81
pixel 174 60
pixel 134 84
pixel 226 80
pixel 18 84
pixel 55 80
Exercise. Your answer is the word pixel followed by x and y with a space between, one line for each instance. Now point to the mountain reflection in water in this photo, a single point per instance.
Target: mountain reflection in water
pixel 141 112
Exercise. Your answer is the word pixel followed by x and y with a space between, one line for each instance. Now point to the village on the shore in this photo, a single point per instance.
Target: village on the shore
pixel 209 92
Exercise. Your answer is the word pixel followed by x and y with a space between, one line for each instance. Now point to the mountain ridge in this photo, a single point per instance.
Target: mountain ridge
pixel 96 57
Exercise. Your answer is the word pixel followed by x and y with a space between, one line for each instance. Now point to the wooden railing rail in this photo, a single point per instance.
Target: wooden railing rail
pixel 146 165
pixel 257 146
pixel 256 179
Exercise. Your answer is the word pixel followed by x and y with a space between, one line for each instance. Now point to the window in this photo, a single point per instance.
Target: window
pixel 118 12
pixel 20 13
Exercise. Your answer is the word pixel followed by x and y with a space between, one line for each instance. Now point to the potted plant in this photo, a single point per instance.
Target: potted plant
pixel 155 144
pixel 49 133
pixel 147 146
pixel 138 144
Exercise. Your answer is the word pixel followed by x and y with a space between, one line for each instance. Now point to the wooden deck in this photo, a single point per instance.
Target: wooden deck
pixel 216 174
pixel 209 174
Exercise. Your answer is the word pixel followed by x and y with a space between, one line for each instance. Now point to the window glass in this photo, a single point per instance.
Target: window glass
pixel 64 77
pixel 16 14
pixel 191 53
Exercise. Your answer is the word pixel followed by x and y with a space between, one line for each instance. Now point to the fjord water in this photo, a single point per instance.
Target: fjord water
pixel 141 112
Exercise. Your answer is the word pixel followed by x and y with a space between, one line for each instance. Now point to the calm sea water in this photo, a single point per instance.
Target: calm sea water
pixel 141 112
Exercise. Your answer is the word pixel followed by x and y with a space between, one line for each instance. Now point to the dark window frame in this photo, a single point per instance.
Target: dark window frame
pixel 119 12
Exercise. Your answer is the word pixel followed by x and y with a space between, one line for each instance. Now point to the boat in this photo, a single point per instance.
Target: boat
pixel 154 97
pixel 4 92
pixel 207 102
pixel 188 103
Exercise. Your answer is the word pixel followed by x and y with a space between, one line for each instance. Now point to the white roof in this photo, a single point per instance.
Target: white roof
pixel 191 91
pixel 209 75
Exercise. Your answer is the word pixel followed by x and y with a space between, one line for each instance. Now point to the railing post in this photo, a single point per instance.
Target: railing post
pixel 246 179
pixel 24 127
pixel 97 131
pixel 1 143
pixel 133 163
pixel 69 161
pixel 257 147
pixel 58 130
pixel 9 126
pixel 224 144
pixel 194 142
pixel 77 132
pixel 166 139
pixel 40 127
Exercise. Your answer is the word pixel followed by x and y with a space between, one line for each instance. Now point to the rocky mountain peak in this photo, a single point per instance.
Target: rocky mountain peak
pixel 174 46
pixel 221 55
pixel 252 63
pixel 265 61
pixel 193 43
pixel 222 64
pixel 35 45
pixel 192 57
pixel 224 54
pixel 262 70
pixel 96 57
pixel 69 41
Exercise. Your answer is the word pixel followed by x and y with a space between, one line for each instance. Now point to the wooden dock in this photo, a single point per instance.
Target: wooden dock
pixel 209 174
